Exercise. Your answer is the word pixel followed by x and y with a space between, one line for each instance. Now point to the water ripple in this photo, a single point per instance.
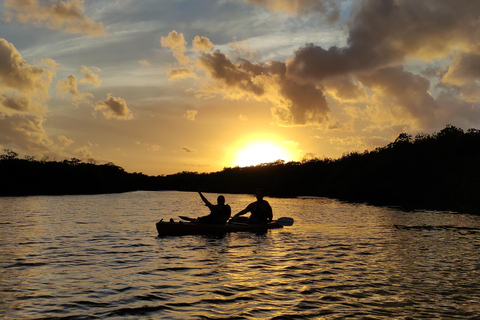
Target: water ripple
pixel 339 261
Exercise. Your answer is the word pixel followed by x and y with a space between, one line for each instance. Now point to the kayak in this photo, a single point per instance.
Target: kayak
pixel 189 228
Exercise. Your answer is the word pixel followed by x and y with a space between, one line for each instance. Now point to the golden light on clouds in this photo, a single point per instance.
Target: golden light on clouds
pixel 226 83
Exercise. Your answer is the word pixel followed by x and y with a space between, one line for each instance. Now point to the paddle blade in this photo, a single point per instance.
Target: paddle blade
pixel 187 218
pixel 285 221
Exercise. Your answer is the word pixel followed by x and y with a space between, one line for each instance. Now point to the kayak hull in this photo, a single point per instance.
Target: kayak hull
pixel 188 228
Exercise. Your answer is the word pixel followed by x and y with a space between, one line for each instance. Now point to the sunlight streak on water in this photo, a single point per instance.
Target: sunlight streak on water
pixel 98 257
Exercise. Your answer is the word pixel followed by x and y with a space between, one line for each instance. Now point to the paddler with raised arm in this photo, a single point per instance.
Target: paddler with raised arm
pixel 219 213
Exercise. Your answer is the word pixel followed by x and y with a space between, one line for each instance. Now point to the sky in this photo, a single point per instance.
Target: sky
pixel 165 86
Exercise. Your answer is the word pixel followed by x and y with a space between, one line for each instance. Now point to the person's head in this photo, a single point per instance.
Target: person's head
pixel 221 200
pixel 259 194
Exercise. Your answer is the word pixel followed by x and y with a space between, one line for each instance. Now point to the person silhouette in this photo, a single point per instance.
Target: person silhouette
pixel 219 213
pixel 261 211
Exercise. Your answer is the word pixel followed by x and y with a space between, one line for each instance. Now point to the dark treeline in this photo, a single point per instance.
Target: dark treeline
pixel 438 171
pixel 28 176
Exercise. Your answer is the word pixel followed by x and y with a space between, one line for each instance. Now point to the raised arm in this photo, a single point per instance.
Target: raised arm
pixel 207 203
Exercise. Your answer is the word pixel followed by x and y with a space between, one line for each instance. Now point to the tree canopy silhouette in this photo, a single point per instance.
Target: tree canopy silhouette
pixel 435 171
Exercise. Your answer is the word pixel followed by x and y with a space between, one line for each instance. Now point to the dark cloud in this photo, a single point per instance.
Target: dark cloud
pixel 220 67
pixel 20 104
pixel 295 103
pixel 383 37
pixel 408 90
pixel 189 150
pixel 384 33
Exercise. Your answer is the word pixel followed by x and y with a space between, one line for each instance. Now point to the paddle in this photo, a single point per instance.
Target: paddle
pixel 285 221
pixel 187 218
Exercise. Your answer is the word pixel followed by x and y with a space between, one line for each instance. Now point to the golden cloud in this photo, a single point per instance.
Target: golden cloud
pixel 26 131
pixel 23 87
pixel 63 15
pixel 328 7
pixel 202 44
pixel 114 108
pixel 370 69
pixel 294 103
pixel 90 77
pixel 69 86
pixel 181 73
pixel 65 141
pixel 176 42
pixel 190 114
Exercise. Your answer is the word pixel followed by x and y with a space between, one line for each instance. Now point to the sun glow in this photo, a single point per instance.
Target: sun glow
pixel 261 152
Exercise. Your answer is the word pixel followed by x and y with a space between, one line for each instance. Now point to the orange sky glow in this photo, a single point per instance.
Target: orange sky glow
pixel 161 87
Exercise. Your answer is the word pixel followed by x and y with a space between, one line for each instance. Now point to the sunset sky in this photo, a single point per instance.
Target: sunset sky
pixel 163 86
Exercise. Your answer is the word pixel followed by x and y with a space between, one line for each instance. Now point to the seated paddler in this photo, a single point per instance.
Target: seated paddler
pixel 219 213
pixel 261 211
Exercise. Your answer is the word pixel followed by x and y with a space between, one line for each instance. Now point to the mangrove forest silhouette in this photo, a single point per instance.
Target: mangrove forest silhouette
pixel 438 171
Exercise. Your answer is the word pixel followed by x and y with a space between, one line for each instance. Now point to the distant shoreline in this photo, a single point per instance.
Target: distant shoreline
pixel 436 172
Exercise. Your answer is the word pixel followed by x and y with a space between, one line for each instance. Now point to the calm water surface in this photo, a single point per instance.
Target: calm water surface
pixel 99 257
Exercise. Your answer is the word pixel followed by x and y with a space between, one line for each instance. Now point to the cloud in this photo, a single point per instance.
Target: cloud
pixel 190 114
pixel 464 73
pixel 345 88
pixel 16 74
pixel 150 147
pixel 144 63
pixel 83 153
pixel 25 131
pixel 202 44
pixel 373 72
pixel 294 103
pixel 176 42
pixel 154 148
pixel 384 33
pixel 406 90
pixel 242 49
pixel 23 87
pixel 328 7
pixel 189 150
pixel 70 86
pixel 65 141
pixel 114 108
pixel 90 77
pixel 67 16
pixel 181 73
pixel 20 104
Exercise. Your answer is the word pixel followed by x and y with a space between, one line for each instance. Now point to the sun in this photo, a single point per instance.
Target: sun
pixel 261 152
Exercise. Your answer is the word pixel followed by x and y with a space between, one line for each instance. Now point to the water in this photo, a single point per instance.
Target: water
pixel 99 257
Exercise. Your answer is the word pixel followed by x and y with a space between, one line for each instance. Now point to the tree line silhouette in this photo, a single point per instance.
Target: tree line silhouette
pixel 21 177
pixel 429 171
